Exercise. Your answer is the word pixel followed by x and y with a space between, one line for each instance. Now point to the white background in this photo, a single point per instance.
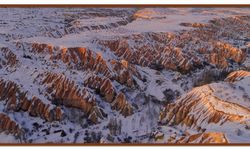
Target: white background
pixel 127 2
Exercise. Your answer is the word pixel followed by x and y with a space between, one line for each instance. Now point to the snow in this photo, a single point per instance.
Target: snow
pixel 8 138
pixel 34 25
pixel 164 82
pixel 234 92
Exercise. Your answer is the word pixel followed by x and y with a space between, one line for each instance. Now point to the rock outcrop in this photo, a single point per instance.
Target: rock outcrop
pixel 144 14
pixel 16 100
pixel 184 51
pixel 9 126
pixel 91 75
pixel 124 72
pixel 105 86
pixel 7 58
pixel 201 106
pixel 201 138
pixel 121 104
pixel 62 91
pixel 237 75
pixel 77 58
pixel 83 59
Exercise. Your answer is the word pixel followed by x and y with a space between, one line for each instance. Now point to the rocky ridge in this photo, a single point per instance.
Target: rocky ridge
pixel 86 76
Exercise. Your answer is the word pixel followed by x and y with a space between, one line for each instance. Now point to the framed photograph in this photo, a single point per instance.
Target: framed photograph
pixel 125 74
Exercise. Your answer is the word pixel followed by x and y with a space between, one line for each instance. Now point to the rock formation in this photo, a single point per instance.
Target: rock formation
pixel 202 138
pixel 202 106
pixel 9 126
pixel 77 57
pixel 7 58
pixel 124 72
pixel 76 26
pixel 120 104
pixel 16 100
pixel 237 75
pixel 184 51
pixel 83 59
pixel 62 91
pixel 104 85
pixel 91 75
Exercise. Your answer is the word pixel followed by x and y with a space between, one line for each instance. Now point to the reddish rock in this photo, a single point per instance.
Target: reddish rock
pixel 9 126
pixel 106 88
pixel 16 100
pixel 183 51
pixel 120 104
pixel 8 58
pixel 237 75
pixel 84 59
pixel 199 107
pixel 68 94
pixel 77 57
pixel 202 138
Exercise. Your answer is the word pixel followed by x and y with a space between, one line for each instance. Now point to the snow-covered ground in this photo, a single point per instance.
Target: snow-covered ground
pixel 84 27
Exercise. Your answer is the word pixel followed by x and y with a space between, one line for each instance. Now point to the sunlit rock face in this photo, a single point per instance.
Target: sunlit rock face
pixel 16 100
pixel 124 75
pixel 62 91
pixel 76 58
pixel 104 85
pixel 184 51
pixel 9 126
pixel 205 138
pixel 82 59
pixel 237 75
pixel 120 104
pixel 177 52
pixel 216 105
pixel 106 88
pixel 201 107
